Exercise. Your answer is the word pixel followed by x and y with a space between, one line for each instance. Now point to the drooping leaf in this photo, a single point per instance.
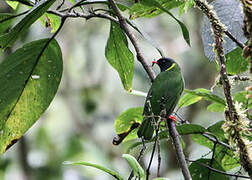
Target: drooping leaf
pixel 216 107
pixel 38 10
pixel 199 172
pixel 50 21
pixel 27 88
pixel 136 167
pixel 236 63
pixel 186 129
pixel 230 14
pixel 183 28
pixel 119 55
pixel 102 168
pixel 146 10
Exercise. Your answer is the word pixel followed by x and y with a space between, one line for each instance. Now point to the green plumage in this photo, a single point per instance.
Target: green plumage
pixel 162 96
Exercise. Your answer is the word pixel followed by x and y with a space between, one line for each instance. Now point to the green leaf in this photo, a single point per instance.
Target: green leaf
pixel 188 99
pixel 119 55
pixel 207 95
pixel 106 170
pixel 199 172
pixel 52 21
pixel 216 107
pixel 6 23
pixel 29 81
pixel 201 140
pixel 160 178
pixel 186 129
pixel 241 98
pixel 146 10
pixel 12 4
pixel 127 118
pixel 185 32
pixel 136 167
pixel 185 6
pixel 38 10
pixel 236 63
pixel 217 130
pixel 124 122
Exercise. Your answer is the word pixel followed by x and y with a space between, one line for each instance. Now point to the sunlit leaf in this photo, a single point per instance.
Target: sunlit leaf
pixel 216 107
pixel 102 168
pixel 12 4
pixel 38 10
pixel 119 55
pixel 51 21
pixel 193 96
pixel 29 81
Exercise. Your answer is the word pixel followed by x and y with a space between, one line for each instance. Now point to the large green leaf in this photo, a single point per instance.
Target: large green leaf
pixel 38 10
pixel 28 83
pixel 119 55
pixel 136 167
pixel 102 168
pixel 199 172
pixel 236 63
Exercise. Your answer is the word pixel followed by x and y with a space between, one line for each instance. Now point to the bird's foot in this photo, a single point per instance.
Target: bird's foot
pixel 173 118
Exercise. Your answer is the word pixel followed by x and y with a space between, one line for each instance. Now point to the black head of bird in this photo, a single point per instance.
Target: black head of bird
pixel 164 63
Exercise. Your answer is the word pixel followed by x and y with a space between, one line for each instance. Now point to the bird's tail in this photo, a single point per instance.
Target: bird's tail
pixel 146 129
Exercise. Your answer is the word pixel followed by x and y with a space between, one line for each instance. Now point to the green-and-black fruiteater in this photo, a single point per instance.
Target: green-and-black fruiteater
pixel 162 96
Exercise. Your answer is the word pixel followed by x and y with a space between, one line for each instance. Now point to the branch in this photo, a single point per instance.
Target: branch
pixel 178 148
pixel 125 27
pixel 233 120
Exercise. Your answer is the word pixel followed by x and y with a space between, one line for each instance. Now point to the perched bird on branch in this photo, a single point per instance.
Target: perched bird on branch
pixel 162 97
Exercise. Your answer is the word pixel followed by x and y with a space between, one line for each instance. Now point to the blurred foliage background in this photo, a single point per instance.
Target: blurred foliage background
pixel 78 125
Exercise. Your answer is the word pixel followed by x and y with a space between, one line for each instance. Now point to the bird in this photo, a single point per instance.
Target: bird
pixel 162 97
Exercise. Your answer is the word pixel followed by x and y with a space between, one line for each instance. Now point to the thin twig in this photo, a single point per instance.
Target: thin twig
pixel 240 44
pixel 159 152
pixel 211 161
pixel 219 171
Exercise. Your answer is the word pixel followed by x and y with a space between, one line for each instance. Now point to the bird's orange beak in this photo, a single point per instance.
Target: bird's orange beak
pixel 154 62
